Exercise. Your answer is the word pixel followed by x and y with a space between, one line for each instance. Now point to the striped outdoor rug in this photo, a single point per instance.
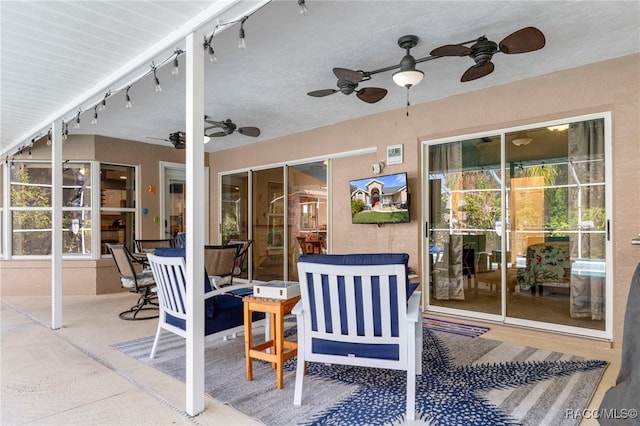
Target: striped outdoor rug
pixel 454 327
pixel 465 381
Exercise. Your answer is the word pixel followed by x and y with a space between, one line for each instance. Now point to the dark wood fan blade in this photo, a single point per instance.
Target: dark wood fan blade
pixel 249 131
pixel 217 134
pixel 349 75
pixel 522 41
pixel 323 92
pixel 371 94
pixel 451 50
pixel 477 71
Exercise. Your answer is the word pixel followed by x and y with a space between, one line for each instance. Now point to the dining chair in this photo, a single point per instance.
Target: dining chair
pixel 220 262
pixel 148 246
pixel 243 254
pixel 137 280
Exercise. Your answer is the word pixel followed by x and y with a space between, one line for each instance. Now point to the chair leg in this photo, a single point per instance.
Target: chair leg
pixel 155 342
pixel 145 303
pixel 301 366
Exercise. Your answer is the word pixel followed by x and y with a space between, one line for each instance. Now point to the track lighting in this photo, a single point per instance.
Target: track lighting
pixel 65 131
pixel 77 125
pixel 103 104
pixel 49 138
pixel 155 77
pixel 212 54
pixel 128 104
pixel 95 115
pixel 242 44
pixel 30 156
pixel 176 70
pixel 303 7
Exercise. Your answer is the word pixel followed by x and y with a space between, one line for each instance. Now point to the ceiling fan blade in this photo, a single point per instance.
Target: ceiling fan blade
pixel 522 41
pixel 371 94
pixel 158 139
pixel 217 134
pixel 323 92
pixel 477 71
pixel 349 75
pixel 249 131
pixel 451 50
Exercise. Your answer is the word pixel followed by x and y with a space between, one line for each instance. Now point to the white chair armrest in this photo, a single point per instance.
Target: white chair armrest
pixel 413 307
pixel 227 289
pixel 297 309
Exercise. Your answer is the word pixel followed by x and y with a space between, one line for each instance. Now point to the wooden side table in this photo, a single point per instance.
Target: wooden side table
pixel 276 350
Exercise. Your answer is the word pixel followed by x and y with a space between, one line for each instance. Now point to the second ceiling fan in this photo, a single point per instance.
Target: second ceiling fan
pixel 228 127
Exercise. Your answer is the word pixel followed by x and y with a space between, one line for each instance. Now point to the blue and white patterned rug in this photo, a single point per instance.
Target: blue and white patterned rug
pixel 465 381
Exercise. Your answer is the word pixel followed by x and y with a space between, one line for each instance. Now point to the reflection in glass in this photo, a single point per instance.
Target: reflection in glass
pixel 307 211
pixel 268 224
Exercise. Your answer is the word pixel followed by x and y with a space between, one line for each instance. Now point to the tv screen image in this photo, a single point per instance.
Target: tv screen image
pixel 380 199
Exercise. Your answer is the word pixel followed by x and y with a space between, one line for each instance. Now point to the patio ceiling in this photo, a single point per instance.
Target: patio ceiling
pixel 62 57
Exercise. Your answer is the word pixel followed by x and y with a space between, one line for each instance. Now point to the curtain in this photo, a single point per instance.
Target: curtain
pixel 587 209
pixel 445 161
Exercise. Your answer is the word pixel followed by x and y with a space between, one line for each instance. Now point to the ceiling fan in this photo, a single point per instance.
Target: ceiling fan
pixel 178 139
pixel 525 40
pixel 227 127
pixel 348 83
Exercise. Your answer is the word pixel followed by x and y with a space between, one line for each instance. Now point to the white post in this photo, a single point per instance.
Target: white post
pixel 195 222
pixel 56 226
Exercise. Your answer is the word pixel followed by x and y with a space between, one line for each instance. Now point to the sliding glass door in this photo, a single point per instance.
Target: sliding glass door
pixel 283 210
pixel 517 226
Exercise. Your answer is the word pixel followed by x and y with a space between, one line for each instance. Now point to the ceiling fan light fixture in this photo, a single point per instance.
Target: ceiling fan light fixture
pixel 207 139
pixel 521 141
pixel 408 78
pixel 559 128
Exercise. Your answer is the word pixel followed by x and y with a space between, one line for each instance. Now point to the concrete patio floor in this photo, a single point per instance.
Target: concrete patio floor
pixel 72 376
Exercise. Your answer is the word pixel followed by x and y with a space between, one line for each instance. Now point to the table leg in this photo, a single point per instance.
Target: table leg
pixel 248 343
pixel 279 320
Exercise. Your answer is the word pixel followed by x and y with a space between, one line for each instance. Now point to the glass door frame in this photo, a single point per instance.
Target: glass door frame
pixel 167 171
pixel 607 333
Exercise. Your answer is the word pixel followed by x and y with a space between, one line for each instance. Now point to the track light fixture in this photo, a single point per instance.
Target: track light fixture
pixel 303 7
pixel 128 104
pixel 176 69
pixel 77 125
pixel 155 78
pixel 49 138
pixel 103 104
pixel 95 115
pixel 242 44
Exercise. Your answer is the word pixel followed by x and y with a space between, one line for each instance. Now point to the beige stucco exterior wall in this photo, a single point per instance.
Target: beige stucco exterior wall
pixel 610 86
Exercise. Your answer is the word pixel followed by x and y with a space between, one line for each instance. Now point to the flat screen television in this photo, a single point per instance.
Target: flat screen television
pixel 380 199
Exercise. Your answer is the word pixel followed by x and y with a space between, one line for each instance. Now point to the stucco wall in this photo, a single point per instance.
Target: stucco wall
pixel 606 86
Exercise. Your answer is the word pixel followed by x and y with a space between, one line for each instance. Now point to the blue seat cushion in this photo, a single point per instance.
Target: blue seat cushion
pixel 209 304
pixel 358 350
pixel 229 314
pixel 364 259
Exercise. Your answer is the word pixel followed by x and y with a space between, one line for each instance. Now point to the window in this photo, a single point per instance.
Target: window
pixel 31 222
pixel 30 193
pixel 117 205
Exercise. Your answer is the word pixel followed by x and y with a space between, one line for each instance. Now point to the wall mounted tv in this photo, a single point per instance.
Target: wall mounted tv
pixel 380 199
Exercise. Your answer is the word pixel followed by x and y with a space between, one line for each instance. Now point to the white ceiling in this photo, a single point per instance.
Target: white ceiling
pixel 59 57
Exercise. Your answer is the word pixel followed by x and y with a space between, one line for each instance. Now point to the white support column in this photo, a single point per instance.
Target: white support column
pixel 56 226
pixel 195 223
